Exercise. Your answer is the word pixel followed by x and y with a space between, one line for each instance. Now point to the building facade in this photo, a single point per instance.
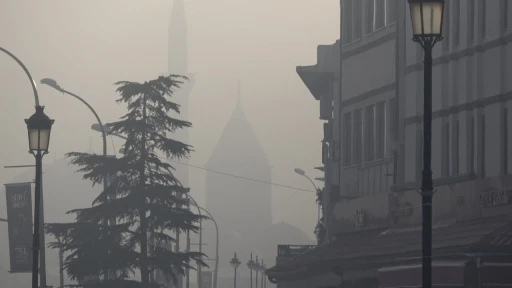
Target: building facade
pixel 375 215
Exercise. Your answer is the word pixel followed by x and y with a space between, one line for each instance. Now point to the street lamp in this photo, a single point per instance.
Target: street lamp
pixel 42 271
pixel 427 28
pixel 235 263
pixel 39 126
pixel 250 265
pixel 256 269
pixel 53 83
pixel 262 270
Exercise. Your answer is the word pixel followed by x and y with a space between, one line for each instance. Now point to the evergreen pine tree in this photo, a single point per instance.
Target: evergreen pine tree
pixel 145 198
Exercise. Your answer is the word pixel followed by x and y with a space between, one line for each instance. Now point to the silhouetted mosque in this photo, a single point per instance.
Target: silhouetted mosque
pixel 243 207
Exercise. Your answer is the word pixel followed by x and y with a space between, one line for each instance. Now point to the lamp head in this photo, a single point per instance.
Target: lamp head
pixel 52 83
pixel 39 126
pixel 299 171
pixel 250 264
pixel 97 127
pixel 235 262
pixel 427 20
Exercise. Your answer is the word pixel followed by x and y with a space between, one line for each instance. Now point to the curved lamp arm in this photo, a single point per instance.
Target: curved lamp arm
pixel 216 244
pixel 32 82
pixel 310 180
pixel 199 208
pixel 52 83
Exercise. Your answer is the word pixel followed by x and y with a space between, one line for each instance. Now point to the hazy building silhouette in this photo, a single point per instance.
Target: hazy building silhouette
pixel 242 207
pixel 178 64
pixel 239 152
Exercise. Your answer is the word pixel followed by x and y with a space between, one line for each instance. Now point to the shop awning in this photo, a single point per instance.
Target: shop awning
pixel 376 249
pixel 446 274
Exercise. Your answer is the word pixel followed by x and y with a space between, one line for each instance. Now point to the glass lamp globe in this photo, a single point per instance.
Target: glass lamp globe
pixel 427 18
pixel 39 126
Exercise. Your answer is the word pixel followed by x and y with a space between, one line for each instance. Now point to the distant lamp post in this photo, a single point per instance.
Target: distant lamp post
pixel 256 269
pixel 234 263
pixel 427 28
pixel 39 126
pixel 250 265
pixel 262 270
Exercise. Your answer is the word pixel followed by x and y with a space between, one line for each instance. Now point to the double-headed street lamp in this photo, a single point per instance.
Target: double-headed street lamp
pixel 39 126
pixel 43 130
pixel 427 27
pixel 235 263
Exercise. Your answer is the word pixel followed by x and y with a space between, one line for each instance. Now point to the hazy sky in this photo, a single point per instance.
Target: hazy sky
pixel 89 44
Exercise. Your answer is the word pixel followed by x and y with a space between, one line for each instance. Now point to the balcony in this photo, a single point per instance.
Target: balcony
pixel 288 252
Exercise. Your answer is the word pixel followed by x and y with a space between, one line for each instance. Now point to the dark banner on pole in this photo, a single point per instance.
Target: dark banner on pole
pixel 19 216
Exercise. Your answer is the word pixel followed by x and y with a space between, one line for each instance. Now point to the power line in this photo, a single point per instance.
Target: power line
pixel 242 177
pixel 234 176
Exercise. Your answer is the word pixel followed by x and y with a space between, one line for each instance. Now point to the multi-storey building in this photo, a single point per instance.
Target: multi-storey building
pixel 375 215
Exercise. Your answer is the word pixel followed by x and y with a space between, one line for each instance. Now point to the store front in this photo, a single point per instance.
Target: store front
pixel 473 253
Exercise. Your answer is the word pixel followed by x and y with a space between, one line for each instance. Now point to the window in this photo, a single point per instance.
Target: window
pixel 456 22
pixel 357 11
pixel 446 148
pixel 504 11
pixel 455 149
pixel 380 14
pixel 504 134
pixel 369 16
pixel 358 136
pixel 471 20
pixel 483 25
pixel 347 128
pixel 380 131
pixel 347 21
pixel 482 146
pixel 370 133
pixel 390 11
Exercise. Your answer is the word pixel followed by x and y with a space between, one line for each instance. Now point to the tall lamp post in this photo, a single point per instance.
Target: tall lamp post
pixel 427 28
pixel 256 269
pixel 262 270
pixel 250 265
pixel 234 263
pixel 42 267
pixel 39 126
pixel 52 83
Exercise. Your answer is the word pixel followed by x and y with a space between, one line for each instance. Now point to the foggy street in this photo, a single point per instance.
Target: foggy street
pixel 256 143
